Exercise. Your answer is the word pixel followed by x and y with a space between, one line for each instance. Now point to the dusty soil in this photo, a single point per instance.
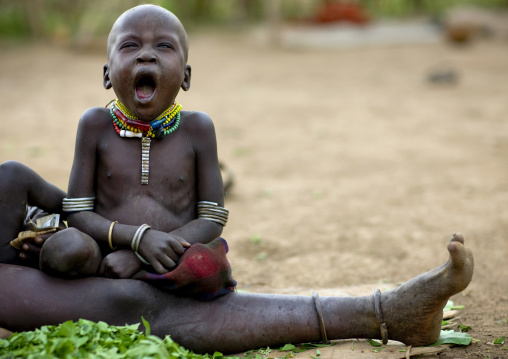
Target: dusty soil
pixel 351 170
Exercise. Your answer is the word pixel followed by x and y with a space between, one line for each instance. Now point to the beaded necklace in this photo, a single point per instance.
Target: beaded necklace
pixel 127 125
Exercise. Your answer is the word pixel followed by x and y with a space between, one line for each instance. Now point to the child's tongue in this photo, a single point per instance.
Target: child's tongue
pixel 144 90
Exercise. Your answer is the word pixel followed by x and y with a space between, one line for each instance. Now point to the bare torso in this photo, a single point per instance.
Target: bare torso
pixel 183 170
pixel 168 201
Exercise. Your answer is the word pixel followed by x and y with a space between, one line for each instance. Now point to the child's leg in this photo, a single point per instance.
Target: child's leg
pixel 20 185
pixel 70 253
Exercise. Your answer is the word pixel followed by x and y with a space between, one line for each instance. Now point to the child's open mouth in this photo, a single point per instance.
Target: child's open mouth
pixel 145 88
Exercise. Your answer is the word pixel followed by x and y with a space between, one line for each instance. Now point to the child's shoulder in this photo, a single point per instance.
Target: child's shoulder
pixel 196 117
pixel 197 121
pixel 96 114
pixel 95 117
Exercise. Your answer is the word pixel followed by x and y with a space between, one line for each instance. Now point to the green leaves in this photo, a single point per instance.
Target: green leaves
pixel 452 337
pixel 86 339
pixel 378 346
pixel 499 340
pixel 287 347
pixel 147 327
pixel 464 328
pixel 450 306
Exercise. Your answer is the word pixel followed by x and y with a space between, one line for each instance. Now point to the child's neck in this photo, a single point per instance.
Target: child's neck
pixel 128 125
pixel 131 116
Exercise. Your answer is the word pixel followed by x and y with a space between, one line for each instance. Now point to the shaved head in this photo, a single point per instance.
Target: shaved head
pixel 157 14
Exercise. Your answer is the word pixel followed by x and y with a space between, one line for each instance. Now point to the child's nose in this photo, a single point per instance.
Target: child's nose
pixel 146 56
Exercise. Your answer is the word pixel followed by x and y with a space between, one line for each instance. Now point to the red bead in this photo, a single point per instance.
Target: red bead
pixel 139 125
pixel 132 123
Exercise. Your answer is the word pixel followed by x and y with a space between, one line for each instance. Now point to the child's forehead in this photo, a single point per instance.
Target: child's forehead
pixel 158 18
pixel 154 15
pixel 134 28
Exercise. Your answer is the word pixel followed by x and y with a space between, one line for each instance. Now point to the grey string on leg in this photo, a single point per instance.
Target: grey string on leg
pixel 317 305
pixel 379 315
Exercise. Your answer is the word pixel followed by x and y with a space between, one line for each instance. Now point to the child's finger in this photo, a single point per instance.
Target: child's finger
pixel 38 240
pixel 35 240
pixel 26 256
pixel 179 245
pixel 172 255
pixel 175 250
pixel 30 248
pixel 184 243
pixel 158 267
pixel 167 261
pixel 43 237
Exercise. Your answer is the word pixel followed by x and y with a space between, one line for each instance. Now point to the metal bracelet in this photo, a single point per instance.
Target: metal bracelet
pixel 211 211
pixel 136 240
pixel 78 204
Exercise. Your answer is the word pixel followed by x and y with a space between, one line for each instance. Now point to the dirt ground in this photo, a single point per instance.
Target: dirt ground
pixel 351 169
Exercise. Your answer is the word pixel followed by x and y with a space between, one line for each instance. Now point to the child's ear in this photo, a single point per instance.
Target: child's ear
pixel 186 79
pixel 106 81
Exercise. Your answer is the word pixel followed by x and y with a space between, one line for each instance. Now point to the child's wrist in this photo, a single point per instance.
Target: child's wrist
pixel 110 236
pixel 136 240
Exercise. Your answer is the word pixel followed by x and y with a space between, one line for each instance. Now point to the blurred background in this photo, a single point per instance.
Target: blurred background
pixel 84 23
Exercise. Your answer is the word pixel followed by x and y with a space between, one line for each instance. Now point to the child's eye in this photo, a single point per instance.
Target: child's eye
pixel 165 46
pixel 127 45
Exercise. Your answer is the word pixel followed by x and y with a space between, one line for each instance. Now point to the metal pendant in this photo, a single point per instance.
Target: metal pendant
pixel 145 159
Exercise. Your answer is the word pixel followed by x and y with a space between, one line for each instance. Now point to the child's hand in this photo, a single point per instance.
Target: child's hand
pixel 31 249
pixel 120 264
pixel 162 250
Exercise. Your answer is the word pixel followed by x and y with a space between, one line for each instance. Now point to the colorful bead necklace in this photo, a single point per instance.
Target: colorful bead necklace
pixel 127 125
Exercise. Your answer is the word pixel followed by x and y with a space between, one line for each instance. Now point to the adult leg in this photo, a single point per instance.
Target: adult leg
pixel 412 313
pixel 66 253
pixel 20 185
pixel 235 322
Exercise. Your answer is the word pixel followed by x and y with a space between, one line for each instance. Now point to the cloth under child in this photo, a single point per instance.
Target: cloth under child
pixel 202 272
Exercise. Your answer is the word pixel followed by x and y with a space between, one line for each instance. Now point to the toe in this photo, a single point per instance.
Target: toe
pixel 457 237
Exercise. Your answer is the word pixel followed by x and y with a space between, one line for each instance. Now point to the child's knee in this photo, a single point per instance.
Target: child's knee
pixel 70 253
pixel 11 173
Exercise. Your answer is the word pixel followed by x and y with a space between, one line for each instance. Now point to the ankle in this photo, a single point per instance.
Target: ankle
pixel 350 317
pixel 379 314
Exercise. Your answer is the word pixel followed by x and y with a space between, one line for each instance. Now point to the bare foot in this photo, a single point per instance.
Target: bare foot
pixel 413 312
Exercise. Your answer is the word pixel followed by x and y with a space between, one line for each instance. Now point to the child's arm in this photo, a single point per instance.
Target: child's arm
pixel 92 125
pixel 209 179
pixel 210 188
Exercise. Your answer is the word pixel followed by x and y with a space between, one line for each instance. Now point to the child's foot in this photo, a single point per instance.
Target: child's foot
pixel 413 312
